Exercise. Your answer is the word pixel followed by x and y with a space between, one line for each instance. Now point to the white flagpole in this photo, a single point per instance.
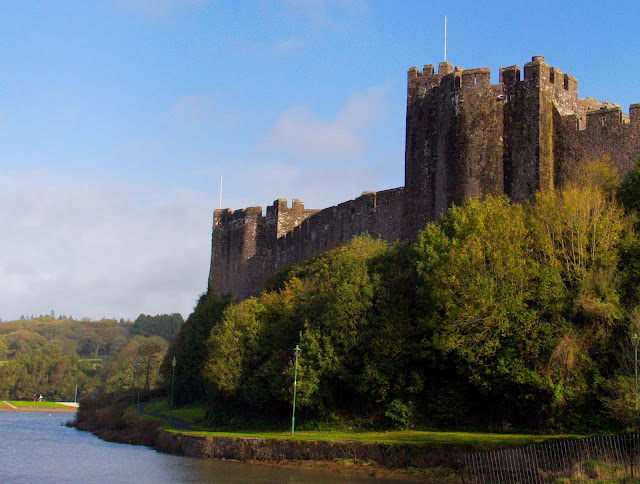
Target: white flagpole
pixel 221 192
pixel 445 38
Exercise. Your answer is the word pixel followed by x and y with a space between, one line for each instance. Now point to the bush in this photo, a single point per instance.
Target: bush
pixel 400 414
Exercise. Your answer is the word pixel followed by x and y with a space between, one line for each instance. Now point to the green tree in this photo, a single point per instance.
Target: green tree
pixel 164 325
pixel 482 281
pixel 190 350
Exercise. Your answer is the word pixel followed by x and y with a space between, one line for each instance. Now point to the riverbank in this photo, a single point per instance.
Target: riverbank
pixel 58 407
pixel 112 418
pixel 411 455
pixel 383 460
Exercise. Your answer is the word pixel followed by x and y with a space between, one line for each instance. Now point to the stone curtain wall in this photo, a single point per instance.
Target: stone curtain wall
pixel 248 248
pixel 465 137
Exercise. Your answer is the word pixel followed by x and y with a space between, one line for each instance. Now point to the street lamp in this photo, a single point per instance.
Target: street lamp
pixel 635 339
pixel 173 377
pixel 295 387
pixel 138 364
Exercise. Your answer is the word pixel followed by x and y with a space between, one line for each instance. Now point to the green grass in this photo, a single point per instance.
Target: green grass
pixel 2 404
pixel 480 441
pixel 193 415
pixel 20 403
pixel 94 362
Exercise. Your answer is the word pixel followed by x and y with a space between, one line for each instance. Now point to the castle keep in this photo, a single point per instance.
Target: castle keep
pixel 465 137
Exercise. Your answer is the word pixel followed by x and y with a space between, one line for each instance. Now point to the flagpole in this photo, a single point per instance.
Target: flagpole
pixel 445 38
pixel 220 193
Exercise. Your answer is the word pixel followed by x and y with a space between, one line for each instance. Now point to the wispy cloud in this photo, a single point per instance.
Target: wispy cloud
pixel 193 108
pixel 89 247
pixel 300 134
pixel 160 8
pixel 327 13
pixel 286 46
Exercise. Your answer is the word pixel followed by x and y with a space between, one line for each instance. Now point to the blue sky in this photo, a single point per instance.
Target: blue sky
pixel 118 117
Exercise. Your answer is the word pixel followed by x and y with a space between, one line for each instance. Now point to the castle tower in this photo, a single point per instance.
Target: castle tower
pixel 454 144
pixel 466 137
pixel 533 109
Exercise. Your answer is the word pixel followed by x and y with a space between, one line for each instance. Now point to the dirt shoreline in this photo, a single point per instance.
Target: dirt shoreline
pixel 38 409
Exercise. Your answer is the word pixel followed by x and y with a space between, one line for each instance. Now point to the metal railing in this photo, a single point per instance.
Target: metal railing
pixel 599 458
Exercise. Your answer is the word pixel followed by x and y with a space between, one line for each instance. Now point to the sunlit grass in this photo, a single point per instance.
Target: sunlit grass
pixel 20 403
pixel 445 439
pixel 94 362
pixel 195 415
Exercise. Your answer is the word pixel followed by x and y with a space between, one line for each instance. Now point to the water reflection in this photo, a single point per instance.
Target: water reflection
pixel 37 447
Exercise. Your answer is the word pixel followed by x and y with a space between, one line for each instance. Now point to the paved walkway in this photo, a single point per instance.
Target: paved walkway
pixel 7 403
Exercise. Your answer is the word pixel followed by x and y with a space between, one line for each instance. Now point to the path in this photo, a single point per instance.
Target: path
pixel 70 404
pixel 8 404
pixel 177 423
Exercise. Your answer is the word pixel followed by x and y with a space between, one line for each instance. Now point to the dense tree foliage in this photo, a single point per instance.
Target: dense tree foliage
pixel 500 314
pixel 52 355
pixel 164 325
pixel 189 349
pixel 136 365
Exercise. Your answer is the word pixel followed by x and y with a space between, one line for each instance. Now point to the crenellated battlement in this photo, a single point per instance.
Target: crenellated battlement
pixel 226 216
pixel 536 72
pixel 476 77
pixel 465 138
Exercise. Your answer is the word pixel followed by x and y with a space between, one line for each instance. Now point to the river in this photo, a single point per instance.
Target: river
pixel 38 447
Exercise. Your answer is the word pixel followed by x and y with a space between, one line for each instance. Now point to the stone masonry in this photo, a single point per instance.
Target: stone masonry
pixel 465 137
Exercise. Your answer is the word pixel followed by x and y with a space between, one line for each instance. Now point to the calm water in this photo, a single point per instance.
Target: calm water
pixel 37 447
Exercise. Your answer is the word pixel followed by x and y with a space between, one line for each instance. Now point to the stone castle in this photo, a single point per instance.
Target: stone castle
pixel 465 137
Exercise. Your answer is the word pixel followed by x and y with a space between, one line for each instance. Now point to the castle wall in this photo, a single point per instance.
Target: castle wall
pixel 236 255
pixel 479 170
pixel 465 137
pixel 608 137
pixel 247 248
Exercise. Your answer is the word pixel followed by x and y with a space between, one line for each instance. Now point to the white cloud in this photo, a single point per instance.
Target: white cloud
pixel 88 247
pixel 298 133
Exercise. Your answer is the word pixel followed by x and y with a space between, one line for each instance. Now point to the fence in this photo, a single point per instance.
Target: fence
pixel 580 460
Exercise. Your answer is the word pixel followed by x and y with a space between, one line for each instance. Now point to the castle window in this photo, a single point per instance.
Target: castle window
pixel 475 80
pixel 552 77
pixel 457 83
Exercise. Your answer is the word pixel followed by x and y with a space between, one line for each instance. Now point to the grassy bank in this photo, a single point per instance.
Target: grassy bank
pixel 195 417
pixel 479 441
pixel 30 404
pixel 431 456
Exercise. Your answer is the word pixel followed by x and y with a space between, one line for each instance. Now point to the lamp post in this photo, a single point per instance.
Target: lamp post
pixel 635 339
pixel 133 384
pixel 173 377
pixel 138 364
pixel 295 387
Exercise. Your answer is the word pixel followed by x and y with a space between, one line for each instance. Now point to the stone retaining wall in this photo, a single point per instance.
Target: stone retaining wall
pixel 251 448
